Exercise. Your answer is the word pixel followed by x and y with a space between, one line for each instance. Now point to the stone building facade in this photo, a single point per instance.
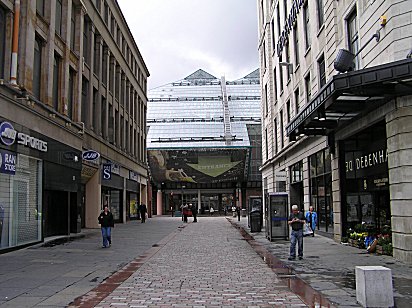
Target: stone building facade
pixel 339 141
pixel 73 125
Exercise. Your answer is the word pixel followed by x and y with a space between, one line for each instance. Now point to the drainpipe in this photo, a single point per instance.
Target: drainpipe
pixel 15 43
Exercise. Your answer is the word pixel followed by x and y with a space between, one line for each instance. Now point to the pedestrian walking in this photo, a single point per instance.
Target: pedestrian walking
pixel 296 221
pixel 194 212
pixel 106 222
pixel 238 213
pixel 143 211
pixel 211 211
pixel 185 212
pixel 312 219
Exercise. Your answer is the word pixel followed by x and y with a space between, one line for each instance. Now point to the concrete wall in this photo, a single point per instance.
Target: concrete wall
pixel 399 131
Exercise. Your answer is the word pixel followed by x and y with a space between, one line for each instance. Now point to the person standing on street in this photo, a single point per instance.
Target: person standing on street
pixel 312 219
pixel 143 210
pixel 106 222
pixel 296 221
pixel 194 212
pixel 238 213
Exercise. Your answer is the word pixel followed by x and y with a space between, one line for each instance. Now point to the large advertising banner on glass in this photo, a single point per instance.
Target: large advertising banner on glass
pixel 198 166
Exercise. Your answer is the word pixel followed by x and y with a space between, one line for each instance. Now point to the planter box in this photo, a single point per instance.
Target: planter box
pixel 353 243
pixel 379 250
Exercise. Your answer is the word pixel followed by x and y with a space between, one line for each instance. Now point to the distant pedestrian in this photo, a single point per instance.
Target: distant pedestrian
pixel 106 222
pixel 312 219
pixel 238 213
pixel 143 211
pixel 193 207
pixel 172 211
pixel 185 212
pixel 296 221
pixel 211 211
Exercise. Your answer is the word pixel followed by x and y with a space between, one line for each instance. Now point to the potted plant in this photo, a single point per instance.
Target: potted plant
pixel 384 241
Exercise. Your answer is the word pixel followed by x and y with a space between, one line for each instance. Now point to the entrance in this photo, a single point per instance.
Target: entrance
pixel 366 180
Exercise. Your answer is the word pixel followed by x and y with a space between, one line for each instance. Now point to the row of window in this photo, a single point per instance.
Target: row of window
pixel 278 86
pixel 114 29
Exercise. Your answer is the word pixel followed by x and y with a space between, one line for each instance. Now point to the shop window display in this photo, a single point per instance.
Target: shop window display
pixel 321 188
pixel 20 203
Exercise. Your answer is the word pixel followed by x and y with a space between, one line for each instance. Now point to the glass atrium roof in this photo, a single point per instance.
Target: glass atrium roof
pixel 189 113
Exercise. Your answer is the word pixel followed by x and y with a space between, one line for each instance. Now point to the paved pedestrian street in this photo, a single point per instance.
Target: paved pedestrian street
pixel 205 264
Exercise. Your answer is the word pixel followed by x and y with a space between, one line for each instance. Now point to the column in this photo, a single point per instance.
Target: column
pixel 159 202
pixel 91 92
pixel 399 147
pixel 199 200
pixel 80 12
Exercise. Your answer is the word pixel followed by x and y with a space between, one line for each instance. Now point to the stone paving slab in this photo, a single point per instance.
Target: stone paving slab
pixel 207 264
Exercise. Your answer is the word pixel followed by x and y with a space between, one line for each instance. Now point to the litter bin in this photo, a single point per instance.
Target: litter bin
pixel 255 222
pixel 243 212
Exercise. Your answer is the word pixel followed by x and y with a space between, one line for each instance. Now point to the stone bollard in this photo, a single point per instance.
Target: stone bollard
pixel 374 286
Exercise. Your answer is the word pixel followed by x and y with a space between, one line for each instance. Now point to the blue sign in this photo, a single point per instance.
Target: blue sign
pixel 8 162
pixel 90 155
pixel 7 133
pixel 107 171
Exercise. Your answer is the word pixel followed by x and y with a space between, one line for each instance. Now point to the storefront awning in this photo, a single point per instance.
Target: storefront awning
pixel 349 95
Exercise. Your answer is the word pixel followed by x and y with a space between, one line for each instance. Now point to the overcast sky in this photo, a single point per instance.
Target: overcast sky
pixel 177 37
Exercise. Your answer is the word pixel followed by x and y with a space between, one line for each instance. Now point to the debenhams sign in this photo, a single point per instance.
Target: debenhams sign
pixel 289 23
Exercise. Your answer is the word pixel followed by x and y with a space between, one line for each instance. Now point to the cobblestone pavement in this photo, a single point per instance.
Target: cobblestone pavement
pixel 207 264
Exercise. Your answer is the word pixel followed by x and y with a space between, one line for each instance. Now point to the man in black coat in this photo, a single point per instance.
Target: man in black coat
pixel 143 210
pixel 194 212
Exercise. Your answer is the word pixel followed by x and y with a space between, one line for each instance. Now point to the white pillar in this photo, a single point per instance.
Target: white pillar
pixel 159 203
pixel 199 200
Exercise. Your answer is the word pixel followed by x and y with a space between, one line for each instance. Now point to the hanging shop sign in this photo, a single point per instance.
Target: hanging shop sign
pixel 133 176
pixel 90 155
pixel 115 169
pixel 289 23
pixel 8 135
pixel 107 171
pixel 8 162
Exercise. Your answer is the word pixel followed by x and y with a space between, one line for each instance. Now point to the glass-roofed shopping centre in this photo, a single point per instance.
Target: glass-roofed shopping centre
pixel 204 142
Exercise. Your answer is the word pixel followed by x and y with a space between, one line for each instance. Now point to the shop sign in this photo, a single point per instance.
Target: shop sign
pixel 8 136
pixel 107 171
pixel 8 162
pixel 289 23
pixel 280 176
pixel 366 161
pixel 133 176
pixel 381 182
pixel 116 169
pixel 90 155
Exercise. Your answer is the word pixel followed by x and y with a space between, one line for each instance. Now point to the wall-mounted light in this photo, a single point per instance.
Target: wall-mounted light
pixel 288 65
pixel 321 115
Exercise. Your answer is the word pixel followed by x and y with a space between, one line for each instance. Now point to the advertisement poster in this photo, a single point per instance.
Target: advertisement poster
pixel 198 166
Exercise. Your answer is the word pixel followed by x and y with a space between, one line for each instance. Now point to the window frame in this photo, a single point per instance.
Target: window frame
pixel 322 77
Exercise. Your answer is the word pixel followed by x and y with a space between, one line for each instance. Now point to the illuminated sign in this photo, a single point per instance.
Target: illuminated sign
pixel 8 136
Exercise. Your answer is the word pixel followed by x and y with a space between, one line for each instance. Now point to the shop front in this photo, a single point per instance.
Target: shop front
pixel 366 180
pixel 112 191
pixel 132 197
pixel 40 180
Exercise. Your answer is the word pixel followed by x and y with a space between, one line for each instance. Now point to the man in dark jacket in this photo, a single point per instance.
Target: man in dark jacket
pixel 194 212
pixel 143 210
pixel 296 221
pixel 106 222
